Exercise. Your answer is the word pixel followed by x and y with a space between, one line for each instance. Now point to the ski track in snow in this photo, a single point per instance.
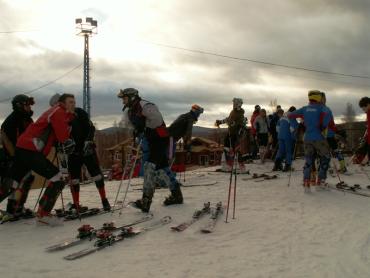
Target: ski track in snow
pixel 278 232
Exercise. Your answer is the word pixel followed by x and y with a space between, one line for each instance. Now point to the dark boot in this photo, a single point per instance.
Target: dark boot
pixel 144 204
pixel 174 198
pixel 106 205
pixel 287 168
pixel 10 207
pixel 277 165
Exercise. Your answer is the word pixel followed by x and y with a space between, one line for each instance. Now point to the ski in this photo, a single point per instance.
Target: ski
pixel 198 214
pixel 260 176
pixel 215 215
pixel 86 232
pixel 73 215
pixel 343 187
pixel 266 177
pixel 107 238
pixel 187 184
pixel 193 184
pixel 219 170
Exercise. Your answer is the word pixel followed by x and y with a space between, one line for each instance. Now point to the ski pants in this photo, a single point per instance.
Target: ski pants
pixel 25 161
pixel 231 142
pixel 285 150
pixel 321 149
pixel 146 146
pixel 75 162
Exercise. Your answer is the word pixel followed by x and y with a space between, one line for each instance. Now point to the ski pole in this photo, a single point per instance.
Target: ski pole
pixel 130 177
pixel 43 186
pixel 230 184
pixel 121 182
pixel 291 165
pixel 335 168
pixel 63 208
pixel 77 206
pixel 235 177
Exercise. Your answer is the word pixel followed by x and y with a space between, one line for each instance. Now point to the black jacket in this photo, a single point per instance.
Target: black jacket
pixel 82 129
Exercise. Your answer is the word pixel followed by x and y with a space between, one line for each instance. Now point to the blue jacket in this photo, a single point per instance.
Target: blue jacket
pixel 286 128
pixel 316 118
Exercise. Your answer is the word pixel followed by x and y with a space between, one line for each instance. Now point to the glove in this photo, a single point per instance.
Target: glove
pixel 88 148
pixel 218 122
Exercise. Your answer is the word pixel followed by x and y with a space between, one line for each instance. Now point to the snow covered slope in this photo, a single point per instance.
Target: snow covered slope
pixel 278 232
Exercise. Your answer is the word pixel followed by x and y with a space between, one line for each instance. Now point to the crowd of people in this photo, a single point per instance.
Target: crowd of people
pixel 26 145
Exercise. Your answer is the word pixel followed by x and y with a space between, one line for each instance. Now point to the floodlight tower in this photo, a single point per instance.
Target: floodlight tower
pixel 86 28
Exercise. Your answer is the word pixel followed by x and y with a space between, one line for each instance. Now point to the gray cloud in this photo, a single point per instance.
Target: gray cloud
pixel 325 35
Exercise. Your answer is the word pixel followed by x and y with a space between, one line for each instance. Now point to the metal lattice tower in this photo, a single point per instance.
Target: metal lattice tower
pixel 86 29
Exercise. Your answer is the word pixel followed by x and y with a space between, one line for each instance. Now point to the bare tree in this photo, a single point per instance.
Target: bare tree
pixel 272 105
pixel 349 114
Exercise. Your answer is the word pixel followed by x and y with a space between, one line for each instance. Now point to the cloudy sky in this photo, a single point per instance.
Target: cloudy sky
pixel 316 34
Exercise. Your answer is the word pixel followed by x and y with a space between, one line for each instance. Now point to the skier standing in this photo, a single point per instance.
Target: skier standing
pixel 148 121
pixel 316 120
pixel 286 129
pixel 236 124
pixel 262 130
pixel 83 132
pixel 34 145
pixel 256 112
pixel 331 137
pixel 364 104
pixel 13 126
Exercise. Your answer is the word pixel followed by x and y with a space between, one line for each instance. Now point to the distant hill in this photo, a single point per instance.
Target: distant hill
pixel 197 131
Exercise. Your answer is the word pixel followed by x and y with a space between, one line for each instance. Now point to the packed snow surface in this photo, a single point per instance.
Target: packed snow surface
pixel 279 231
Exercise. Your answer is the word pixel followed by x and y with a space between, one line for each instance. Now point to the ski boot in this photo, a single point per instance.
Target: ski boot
pixel 174 198
pixel 277 166
pixel 321 185
pixel 306 185
pixel 25 213
pixel 46 219
pixel 143 204
pixel 313 178
pixel 287 168
pixel 106 205
pixel 81 209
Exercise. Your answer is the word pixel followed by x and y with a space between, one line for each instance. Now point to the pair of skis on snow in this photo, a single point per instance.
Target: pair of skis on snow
pixel 214 213
pixel 106 236
pixel 261 177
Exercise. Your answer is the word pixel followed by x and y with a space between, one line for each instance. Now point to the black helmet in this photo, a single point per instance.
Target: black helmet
pixel 20 100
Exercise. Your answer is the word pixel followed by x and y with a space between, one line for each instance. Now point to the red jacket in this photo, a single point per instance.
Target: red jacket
pixel 253 118
pixel 51 127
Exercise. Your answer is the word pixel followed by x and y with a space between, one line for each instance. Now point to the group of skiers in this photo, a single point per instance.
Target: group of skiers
pixel 278 133
pixel 26 145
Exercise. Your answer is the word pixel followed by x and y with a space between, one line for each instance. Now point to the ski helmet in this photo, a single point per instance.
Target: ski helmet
pixel 20 100
pixel 128 92
pixel 257 107
pixel 315 95
pixel 197 110
pixel 237 102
